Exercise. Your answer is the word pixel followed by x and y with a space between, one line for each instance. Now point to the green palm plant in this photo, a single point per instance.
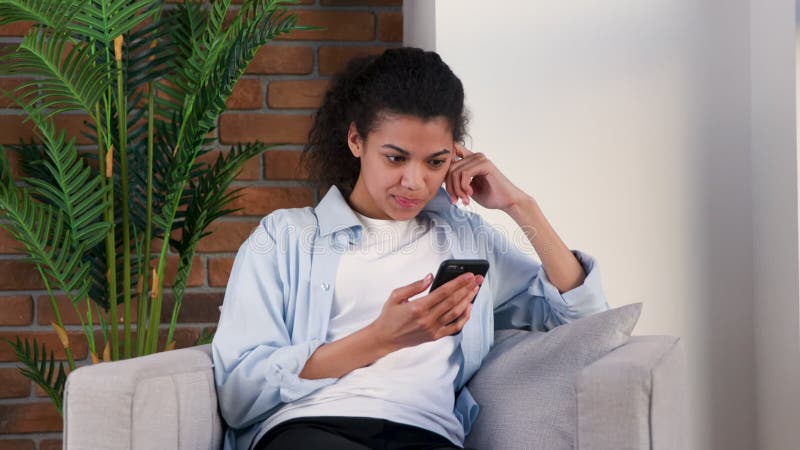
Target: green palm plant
pixel 152 80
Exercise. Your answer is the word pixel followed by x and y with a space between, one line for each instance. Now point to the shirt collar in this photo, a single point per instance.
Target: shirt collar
pixel 334 213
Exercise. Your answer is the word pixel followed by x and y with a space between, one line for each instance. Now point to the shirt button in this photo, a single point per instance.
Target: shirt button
pixel 325 286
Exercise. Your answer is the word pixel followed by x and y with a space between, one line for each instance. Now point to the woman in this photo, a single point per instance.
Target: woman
pixel 329 337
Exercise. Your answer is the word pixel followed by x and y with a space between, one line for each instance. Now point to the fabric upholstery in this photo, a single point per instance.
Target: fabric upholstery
pixel 629 398
pixel 526 385
pixel 161 401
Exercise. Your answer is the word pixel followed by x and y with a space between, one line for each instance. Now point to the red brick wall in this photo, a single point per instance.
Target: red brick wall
pixel 273 102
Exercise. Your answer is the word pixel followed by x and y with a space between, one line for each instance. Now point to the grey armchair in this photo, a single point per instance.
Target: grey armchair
pixel 629 399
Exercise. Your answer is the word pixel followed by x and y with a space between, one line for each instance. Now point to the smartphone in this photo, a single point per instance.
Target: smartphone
pixel 452 268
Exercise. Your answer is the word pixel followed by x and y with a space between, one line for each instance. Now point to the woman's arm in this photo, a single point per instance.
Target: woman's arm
pixel 340 357
pixel 560 264
pixel 400 324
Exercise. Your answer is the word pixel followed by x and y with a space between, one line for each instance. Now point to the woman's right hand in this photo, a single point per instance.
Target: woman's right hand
pixel 443 312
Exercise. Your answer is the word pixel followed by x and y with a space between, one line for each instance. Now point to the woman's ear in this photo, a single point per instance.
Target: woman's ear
pixel 354 140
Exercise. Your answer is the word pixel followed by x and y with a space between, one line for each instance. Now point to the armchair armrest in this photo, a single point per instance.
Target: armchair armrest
pixel 159 401
pixel 632 397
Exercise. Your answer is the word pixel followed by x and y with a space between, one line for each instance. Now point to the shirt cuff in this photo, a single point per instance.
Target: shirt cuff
pixel 284 371
pixel 584 300
pixel 466 410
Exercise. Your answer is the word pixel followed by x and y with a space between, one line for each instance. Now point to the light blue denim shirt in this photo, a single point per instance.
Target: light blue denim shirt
pixel 278 300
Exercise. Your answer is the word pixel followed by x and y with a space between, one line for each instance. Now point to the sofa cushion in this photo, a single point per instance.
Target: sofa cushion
pixel 526 384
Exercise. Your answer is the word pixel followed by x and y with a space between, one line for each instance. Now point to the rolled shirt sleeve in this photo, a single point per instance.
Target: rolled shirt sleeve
pixel 256 366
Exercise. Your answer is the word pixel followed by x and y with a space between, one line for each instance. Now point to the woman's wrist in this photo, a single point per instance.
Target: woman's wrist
pixel 342 356
pixel 382 344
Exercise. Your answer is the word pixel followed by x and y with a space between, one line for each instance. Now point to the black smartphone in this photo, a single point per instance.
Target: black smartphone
pixel 452 268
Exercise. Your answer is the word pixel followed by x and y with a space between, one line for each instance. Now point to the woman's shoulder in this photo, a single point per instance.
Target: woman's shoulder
pixel 288 219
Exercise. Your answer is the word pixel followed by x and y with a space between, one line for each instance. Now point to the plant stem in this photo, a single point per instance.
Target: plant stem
pixel 143 297
pixel 122 127
pixel 155 312
pixel 108 215
pixel 57 313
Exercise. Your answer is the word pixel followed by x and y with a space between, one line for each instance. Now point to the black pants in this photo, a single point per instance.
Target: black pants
pixel 350 433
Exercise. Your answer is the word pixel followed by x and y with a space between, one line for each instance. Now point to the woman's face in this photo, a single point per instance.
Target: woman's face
pixel 404 162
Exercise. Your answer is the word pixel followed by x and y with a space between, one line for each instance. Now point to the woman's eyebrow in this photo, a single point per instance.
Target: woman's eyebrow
pixel 406 152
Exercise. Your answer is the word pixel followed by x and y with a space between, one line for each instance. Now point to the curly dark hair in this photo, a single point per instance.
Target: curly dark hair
pixel 402 80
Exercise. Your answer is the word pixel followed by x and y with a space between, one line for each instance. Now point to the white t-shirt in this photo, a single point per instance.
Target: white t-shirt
pixel 413 385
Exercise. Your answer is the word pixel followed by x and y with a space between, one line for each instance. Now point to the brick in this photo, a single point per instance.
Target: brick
pixel 274 59
pixel 16 29
pixel 226 236
pixel 361 2
pixel 322 190
pixel 333 59
pixel 9 245
pixel 267 128
pixel 13 384
pixel 250 171
pixel 51 444
pixel 260 200
pixel 14 129
pixel 390 26
pixel 17 274
pixel 16 165
pixel 8 84
pixel 219 269
pixel 338 26
pixel 246 95
pixel 16 310
pixel 17 444
pixel 73 124
pixel 195 307
pixel 284 165
pixel 195 273
pixel 77 342
pixel 36 417
pixel 68 314
pixel 296 93
pixel 183 336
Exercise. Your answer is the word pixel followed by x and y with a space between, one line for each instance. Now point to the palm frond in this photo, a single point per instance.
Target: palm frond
pixel 41 369
pixel 205 338
pixel 73 188
pixel 268 23
pixel 46 12
pixel 104 20
pixel 68 79
pixel 43 230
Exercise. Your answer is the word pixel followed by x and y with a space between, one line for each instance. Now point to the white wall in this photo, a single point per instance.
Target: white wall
pixel 774 158
pixel 630 123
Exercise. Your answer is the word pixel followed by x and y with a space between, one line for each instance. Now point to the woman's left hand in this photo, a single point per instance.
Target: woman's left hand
pixel 475 176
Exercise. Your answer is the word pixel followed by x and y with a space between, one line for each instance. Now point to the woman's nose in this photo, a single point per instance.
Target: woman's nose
pixel 413 179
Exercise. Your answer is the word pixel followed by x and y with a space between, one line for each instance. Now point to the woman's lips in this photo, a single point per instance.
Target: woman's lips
pixel 406 202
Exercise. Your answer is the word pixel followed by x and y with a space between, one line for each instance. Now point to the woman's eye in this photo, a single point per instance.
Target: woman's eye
pixel 398 159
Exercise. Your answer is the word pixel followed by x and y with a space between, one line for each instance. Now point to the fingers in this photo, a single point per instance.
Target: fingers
pixel 459 177
pixel 457 311
pixel 465 287
pixel 460 149
pixel 444 291
pixel 458 325
pixel 403 293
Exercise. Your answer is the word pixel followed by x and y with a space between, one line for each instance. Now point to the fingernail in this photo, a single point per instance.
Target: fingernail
pixel 475 289
pixel 428 277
